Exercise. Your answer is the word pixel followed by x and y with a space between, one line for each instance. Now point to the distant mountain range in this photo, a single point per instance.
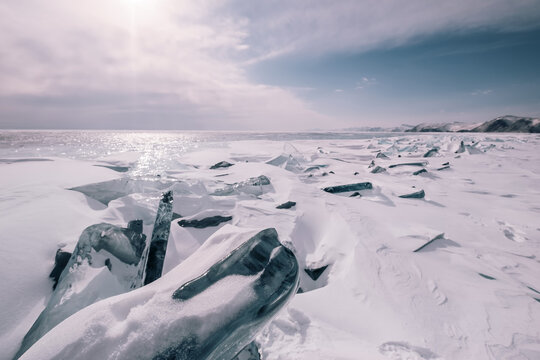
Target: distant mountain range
pixel 507 123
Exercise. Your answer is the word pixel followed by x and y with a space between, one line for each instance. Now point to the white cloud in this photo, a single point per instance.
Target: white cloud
pixel 365 82
pixel 482 92
pixel 182 64
pixel 319 27
pixel 116 60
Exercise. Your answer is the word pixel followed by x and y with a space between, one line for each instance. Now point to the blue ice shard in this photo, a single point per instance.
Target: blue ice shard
pixel 232 287
pixel 160 238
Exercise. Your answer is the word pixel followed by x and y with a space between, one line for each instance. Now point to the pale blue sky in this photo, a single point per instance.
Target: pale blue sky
pixel 443 77
pixel 257 65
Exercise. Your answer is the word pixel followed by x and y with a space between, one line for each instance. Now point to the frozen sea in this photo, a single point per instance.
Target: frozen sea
pixel 156 150
pixel 452 274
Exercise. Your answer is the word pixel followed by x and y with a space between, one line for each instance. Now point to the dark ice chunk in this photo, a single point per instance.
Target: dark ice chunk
pixel 381 156
pixel 432 152
pixel 176 216
pixel 108 264
pixel 287 205
pixel 276 280
pixel 355 194
pixel 206 222
pixel 444 168
pixel 248 259
pixel 160 237
pixel 378 169
pixel 314 274
pixel 486 276
pixel 415 195
pixel 221 164
pixel 422 163
pixel 121 169
pixel 12 161
pixel 136 226
pixel 418 172
pixel 60 261
pixel 461 148
pixel 350 187
pixel 437 240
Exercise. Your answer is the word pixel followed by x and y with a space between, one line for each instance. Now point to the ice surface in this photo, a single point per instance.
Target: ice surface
pixel 378 299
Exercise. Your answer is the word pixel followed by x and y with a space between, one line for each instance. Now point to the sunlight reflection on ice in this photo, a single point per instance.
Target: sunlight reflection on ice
pixel 158 151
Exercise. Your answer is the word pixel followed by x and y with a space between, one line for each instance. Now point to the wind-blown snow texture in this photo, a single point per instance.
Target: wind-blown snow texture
pixel 453 275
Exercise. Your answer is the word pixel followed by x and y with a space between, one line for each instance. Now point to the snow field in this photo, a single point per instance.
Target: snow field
pixel 471 293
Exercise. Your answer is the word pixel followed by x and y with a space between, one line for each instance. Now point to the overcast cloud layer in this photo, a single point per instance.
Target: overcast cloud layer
pixel 182 64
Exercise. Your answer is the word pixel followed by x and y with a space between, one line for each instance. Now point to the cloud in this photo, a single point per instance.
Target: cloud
pixel 306 27
pixel 365 82
pixel 182 64
pixel 115 63
pixel 482 92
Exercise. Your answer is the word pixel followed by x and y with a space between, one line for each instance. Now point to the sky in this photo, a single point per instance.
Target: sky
pixel 265 65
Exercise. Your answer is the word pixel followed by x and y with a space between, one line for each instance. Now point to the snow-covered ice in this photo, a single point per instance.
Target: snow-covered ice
pixel 213 315
pixel 451 275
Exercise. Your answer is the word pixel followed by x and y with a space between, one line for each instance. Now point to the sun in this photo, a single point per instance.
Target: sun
pixel 137 3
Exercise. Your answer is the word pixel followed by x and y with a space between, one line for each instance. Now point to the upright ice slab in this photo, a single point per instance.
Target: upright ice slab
pixel 160 237
pixel 232 287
